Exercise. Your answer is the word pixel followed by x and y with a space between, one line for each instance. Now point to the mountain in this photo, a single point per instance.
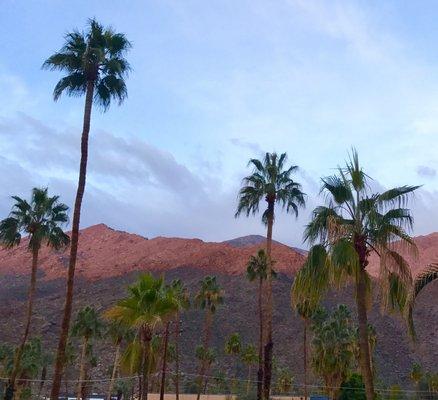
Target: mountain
pixel 251 240
pixel 105 252
pixel 109 260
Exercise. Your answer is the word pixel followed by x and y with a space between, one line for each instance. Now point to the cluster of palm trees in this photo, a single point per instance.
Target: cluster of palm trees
pixel 354 223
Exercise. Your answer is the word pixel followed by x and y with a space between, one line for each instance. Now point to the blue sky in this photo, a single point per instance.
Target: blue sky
pixel 213 84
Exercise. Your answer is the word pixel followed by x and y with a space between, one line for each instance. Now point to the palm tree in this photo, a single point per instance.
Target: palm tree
pixel 41 220
pixel 148 306
pixel 305 310
pixel 416 374
pixel 233 347
pixel 355 223
pixel 117 333
pixel 306 303
pixel 284 381
pixel 270 181
pixel 182 297
pixel 46 359
pixel 32 361
pixel 257 270
pixel 95 66
pixel 86 326
pixel 249 357
pixel 206 356
pixel 70 356
pixel 333 347
pixel 208 298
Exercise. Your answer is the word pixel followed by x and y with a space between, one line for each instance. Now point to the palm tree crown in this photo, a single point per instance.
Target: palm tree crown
pixel 272 182
pixel 355 223
pixel 180 293
pixel 147 305
pixel 257 266
pixel 87 324
pixel 210 294
pixel 41 219
pixel 95 56
pixel 233 345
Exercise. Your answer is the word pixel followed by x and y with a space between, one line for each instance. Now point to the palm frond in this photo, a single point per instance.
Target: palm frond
pixel 396 196
pixel 427 276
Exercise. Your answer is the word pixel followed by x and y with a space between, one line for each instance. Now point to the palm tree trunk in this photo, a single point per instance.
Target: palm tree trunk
pixel 260 366
pixel 82 368
pixel 60 355
pixel 248 383
pixel 115 368
pixel 364 348
pixel 66 383
pixel 9 392
pixel 177 323
pixel 145 369
pixel 203 367
pixel 267 372
pixel 163 369
pixel 305 357
pixel 42 381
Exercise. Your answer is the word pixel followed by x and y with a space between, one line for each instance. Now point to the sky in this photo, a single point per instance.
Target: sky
pixel 213 84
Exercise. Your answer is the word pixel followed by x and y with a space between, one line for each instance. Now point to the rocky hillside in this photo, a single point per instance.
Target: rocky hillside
pixel 109 260
pixel 105 252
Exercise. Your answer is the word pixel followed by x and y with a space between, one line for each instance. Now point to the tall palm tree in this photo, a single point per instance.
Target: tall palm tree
pixel 355 223
pixel 305 310
pixel 249 357
pixel 306 303
pixel 208 298
pixel 271 181
pixel 182 297
pixel 41 220
pixel 86 326
pixel 95 67
pixel 148 306
pixel 117 332
pixel 257 270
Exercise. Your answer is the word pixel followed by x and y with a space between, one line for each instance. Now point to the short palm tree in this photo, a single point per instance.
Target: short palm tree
pixel 416 374
pixel 95 66
pixel 118 333
pixel 206 357
pixel 148 306
pixel 249 357
pixel 41 220
pixel 86 326
pixel 257 271
pixel 333 347
pixel 208 298
pixel 182 297
pixel 271 181
pixel 354 223
pixel 233 348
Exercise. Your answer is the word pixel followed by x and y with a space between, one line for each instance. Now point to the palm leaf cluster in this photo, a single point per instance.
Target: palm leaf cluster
pixel 272 182
pixel 354 223
pixel 40 219
pixel 95 56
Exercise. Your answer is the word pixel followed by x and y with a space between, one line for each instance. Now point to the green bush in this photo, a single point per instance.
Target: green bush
pixel 353 388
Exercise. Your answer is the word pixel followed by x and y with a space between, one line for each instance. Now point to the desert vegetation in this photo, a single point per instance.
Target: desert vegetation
pixel 142 331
